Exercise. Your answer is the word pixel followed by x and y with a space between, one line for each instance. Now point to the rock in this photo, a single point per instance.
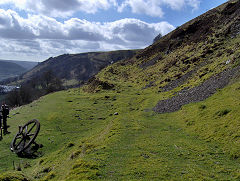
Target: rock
pixel 198 93
pixel 228 61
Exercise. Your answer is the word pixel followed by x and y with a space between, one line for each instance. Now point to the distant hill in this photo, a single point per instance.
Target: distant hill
pixel 13 68
pixel 169 113
pixel 9 69
pixel 75 68
pixel 25 64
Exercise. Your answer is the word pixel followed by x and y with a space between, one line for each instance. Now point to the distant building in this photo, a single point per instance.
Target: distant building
pixel 6 88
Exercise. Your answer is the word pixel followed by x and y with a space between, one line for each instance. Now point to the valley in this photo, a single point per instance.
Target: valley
pixel 72 69
pixel 10 68
pixel 6 88
pixel 167 112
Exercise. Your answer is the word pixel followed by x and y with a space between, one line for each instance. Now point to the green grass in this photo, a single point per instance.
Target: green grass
pixel 83 139
pixel 115 135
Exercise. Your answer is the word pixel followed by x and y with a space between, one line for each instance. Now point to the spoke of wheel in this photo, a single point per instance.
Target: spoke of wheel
pixel 19 143
pixel 31 128
pixel 19 136
pixel 24 143
pixel 31 134
pixel 26 131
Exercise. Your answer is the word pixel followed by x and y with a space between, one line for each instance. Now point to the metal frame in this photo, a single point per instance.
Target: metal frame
pixel 25 137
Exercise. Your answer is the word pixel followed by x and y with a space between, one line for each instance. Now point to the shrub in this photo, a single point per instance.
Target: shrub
pixel 223 112
pixel 201 107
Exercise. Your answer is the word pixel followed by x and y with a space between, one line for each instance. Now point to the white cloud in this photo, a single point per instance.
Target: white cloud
pixel 154 7
pixel 174 4
pixel 151 8
pixel 194 4
pixel 41 36
pixel 66 8
pixel 60 8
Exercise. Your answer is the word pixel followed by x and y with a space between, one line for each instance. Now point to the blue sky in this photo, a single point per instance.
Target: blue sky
pixel 34 30
pixel 174 17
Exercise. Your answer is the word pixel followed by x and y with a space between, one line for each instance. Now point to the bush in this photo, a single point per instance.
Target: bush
pixel 201 107
pixel 33 89
pixel 223 112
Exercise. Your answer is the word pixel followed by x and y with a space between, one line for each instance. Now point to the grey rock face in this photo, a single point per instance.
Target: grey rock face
pixel 196 94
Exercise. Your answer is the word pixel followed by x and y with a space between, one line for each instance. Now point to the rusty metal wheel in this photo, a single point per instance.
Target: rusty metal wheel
pixel 25 137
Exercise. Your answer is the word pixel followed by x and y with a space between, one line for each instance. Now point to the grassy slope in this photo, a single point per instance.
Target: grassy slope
pixel 74 68
pixel 83 139
pixel 196 142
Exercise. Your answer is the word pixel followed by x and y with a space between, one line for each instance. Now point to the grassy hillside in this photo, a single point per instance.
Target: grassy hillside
pixel 111 129
pixel 25 64
pixel 9 69
pixel 83 139
pixel 73 69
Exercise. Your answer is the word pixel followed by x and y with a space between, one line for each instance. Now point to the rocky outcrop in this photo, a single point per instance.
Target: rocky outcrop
pixel 199 93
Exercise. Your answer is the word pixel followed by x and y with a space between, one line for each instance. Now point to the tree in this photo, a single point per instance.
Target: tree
pixel 13 98
pixel 34 88
pixel 47 79
pixel 1 90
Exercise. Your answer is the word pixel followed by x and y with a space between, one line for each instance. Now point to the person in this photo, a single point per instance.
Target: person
pixel 5 113
pixel 0 126
pixel 0 119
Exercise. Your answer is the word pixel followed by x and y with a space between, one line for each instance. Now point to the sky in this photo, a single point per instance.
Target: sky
pixel 34 30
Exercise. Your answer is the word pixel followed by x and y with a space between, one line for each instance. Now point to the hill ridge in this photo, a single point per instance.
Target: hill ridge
pixel 10 69
pixel 73 69
pixel 108 129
